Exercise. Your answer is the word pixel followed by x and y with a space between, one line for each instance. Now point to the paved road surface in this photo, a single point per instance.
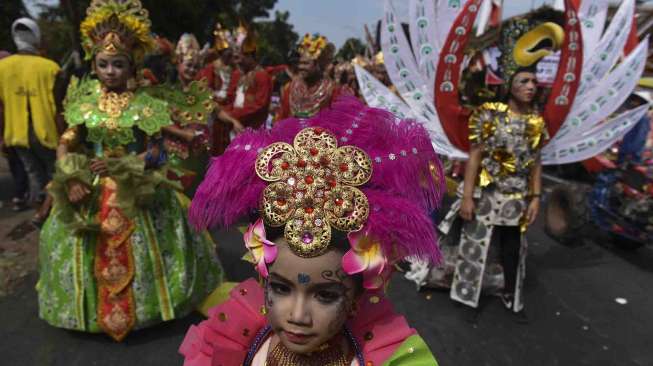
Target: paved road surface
pixel 570 297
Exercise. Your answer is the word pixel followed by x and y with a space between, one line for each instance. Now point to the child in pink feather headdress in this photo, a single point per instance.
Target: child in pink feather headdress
pixel 341 198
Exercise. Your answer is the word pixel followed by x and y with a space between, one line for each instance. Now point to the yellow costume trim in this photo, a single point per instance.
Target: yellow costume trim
pixel 522 52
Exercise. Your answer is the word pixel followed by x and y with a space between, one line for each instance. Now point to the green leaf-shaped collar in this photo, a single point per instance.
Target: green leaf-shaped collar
pixel 143 111
pixel 192 104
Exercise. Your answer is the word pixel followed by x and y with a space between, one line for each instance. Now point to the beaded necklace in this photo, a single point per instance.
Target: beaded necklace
pixel 263 334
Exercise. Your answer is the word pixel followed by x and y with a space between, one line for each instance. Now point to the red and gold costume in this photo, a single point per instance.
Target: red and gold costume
pixel 248 97
pixel 249 92
pixel 298 99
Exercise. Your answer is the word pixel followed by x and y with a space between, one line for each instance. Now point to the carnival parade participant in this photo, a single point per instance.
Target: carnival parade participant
pixel 29 127
pixel 218 74
pixel 339 205
pixel 502 186
pixel 311 89
pixel 250 88
pixel 507 137
pixel 191 104
pixel 117 254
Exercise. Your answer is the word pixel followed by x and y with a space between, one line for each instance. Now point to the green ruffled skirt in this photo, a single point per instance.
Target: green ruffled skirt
pixel 175 268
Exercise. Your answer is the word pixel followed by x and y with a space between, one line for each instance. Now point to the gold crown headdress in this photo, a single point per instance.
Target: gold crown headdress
pixel 245 38
pixel 117 27
pixel 316 47
pixel 221 37
pixel 187 48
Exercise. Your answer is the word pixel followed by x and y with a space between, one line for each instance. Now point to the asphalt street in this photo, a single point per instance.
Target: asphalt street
pixel 588 305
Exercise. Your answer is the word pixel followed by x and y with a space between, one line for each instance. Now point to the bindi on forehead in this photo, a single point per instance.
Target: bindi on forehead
pixel 303 278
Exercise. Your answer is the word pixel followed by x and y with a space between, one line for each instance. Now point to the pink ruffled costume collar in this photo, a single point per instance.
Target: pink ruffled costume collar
pixel 226 336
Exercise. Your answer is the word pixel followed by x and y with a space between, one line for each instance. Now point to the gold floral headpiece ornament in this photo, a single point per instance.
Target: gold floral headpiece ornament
pixel 187 48
pixel 244 38
pixel 117 27
pixel 221 37
pixel 316 47
pixel 313 188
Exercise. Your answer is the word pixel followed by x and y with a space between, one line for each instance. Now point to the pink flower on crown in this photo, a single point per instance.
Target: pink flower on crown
pixel 366 256
pixel 263 250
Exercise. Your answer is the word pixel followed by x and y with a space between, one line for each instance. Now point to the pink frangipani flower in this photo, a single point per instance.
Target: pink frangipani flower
pixel 366 256
pixel 263 250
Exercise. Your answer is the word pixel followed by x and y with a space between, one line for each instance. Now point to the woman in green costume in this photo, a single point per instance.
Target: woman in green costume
pixel 117 253
pixel 191 106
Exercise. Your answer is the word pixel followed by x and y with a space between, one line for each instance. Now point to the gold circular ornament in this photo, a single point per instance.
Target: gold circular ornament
pixel 148 112
pixel 111 123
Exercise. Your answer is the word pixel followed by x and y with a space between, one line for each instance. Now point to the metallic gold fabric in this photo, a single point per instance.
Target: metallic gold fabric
pixel 511 144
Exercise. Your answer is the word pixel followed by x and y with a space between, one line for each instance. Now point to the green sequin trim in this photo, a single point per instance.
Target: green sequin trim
pixel 190 105
pixel 143 112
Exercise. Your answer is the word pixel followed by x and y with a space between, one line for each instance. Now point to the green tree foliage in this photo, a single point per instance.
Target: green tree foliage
pixel 350 49
pixel 60 23
pixel 276 39
pixel 10 10
pixel 57 33
pixel 174 17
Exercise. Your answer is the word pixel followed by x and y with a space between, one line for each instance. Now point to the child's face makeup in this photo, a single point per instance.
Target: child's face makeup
pixel 308 299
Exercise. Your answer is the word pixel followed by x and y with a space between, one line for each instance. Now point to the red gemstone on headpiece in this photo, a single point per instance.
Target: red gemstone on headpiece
pixel 318 130
pixel 281 202
pixel 285 165
pixel 314 151
pixel 332 182
pixel 308 210
pixel 308 179
pixel 339 201
pixel 344 167
pixel 301 163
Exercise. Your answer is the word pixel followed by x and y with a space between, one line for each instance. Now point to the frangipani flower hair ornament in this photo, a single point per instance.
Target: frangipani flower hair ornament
pixel 263 251
pixel 385 172
pixel 366 256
